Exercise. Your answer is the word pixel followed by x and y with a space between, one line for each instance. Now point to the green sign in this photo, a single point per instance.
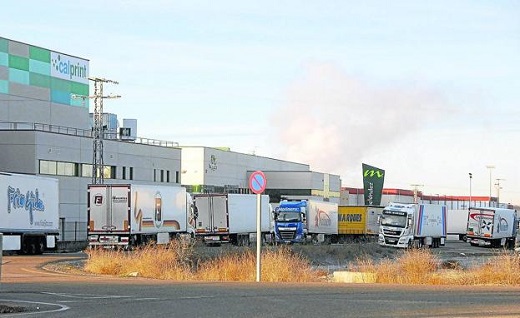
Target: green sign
pixel 373 179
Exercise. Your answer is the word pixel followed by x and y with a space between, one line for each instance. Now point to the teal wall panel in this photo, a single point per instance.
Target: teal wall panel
pixel 19 76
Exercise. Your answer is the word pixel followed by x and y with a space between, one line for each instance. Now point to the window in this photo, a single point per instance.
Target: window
pixel 123 173
pixel 177 177
pixel 162 175
pixel 168 176
pixel 47 167
pixel 66 169
pixel 86 170
pixel 131 177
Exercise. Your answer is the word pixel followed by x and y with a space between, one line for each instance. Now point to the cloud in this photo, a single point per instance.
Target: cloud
pixel 333 120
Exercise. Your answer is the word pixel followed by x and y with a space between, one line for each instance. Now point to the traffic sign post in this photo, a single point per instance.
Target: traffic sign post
pixel 257 184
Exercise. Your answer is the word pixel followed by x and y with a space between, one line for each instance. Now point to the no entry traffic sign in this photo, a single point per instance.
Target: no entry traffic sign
pixel 257 182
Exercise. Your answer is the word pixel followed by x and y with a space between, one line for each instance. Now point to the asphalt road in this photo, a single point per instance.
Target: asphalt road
pixel 50 294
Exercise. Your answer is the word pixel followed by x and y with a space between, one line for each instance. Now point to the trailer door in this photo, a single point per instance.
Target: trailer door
pixel 109 208
pixel 212 214
pixel 484 220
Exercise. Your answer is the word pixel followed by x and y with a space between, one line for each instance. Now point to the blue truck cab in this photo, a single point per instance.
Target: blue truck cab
pixel 290 222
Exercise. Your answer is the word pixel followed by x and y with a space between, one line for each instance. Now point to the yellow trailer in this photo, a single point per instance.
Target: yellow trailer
pixel 356 221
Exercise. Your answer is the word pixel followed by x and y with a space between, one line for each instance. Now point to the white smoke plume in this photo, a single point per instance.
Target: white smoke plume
pixel 333 121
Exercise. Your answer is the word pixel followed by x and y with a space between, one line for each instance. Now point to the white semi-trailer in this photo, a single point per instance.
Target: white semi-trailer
pixel 124 215
pixel 230 218
pixel 493 227
pixel 29 213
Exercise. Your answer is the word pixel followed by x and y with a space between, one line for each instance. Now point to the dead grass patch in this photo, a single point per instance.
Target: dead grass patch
pixel 179 261
pixel 421 266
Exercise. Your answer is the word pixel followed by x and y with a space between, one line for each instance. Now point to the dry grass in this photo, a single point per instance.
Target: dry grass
pixel 421 266
pixel 154 261
pixel 179 261
pixel 278 265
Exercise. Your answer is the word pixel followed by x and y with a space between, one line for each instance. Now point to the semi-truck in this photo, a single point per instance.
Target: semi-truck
pixel 230 218
pixel 408 225
pixel 29 217
pixel 358 222
pixel 493 227
pixel 127 215
pixel 305 221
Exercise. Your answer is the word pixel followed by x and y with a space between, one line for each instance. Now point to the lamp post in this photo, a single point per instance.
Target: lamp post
pixel 498 190
pixel 490 167
pixel 470 177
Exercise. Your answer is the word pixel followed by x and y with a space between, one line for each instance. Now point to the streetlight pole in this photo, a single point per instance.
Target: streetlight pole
pixel 498 190
pixel 470 177
pixel 490 167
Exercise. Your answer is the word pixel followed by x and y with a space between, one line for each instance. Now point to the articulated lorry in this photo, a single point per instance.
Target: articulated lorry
pixel 230 218
pixel 412 225
pixel 29 217
pixel 358 222
pixel 126 215
pixel 305 221
pixel 493 227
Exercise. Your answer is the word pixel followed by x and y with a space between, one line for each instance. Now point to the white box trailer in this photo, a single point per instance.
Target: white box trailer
pixel 230 218
pixel 457 223
pixel 129 214
pixel 29 217
pixel 494 227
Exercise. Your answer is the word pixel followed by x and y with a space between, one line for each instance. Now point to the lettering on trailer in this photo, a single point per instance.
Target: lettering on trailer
pixel 350 217
pixel 30 201
pixel 98 199
pixel 116 199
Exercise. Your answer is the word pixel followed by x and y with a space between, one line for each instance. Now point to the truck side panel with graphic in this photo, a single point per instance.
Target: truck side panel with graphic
pixel 494 227
pixel 29 213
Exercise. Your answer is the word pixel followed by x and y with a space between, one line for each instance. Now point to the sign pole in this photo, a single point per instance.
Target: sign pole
pixel 257 184
pixel 258 237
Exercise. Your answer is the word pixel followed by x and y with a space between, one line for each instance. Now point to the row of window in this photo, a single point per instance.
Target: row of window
pixel 62 168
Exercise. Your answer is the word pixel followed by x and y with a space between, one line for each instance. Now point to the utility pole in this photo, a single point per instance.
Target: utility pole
pixel 470 177
pixel 415 192
pixel 490 167
pixel 98 130
pixel 498 190
pixel 98 176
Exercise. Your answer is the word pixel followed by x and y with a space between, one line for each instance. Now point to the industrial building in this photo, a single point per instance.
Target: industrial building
pixel 46 129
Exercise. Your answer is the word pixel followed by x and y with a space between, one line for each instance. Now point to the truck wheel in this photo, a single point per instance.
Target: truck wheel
pixel 40 247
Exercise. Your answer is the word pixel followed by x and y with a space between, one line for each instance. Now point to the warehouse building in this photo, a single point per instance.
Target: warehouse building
pixel 45 129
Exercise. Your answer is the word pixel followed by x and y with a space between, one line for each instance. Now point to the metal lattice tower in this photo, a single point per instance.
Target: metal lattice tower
pixel 98 129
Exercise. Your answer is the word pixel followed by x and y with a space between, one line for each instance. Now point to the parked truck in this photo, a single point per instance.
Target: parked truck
pixel 230 218
pixel 305 221
pixel 358 222
pixel 457 223
pixel 493 227
pixel 29 219
pixel 126 215
pixel 412 225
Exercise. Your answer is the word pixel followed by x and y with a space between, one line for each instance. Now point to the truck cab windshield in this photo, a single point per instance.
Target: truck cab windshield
pixel 288 217
pixel 393 220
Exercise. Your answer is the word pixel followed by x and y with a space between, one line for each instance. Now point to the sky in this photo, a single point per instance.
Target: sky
pixel 429 91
